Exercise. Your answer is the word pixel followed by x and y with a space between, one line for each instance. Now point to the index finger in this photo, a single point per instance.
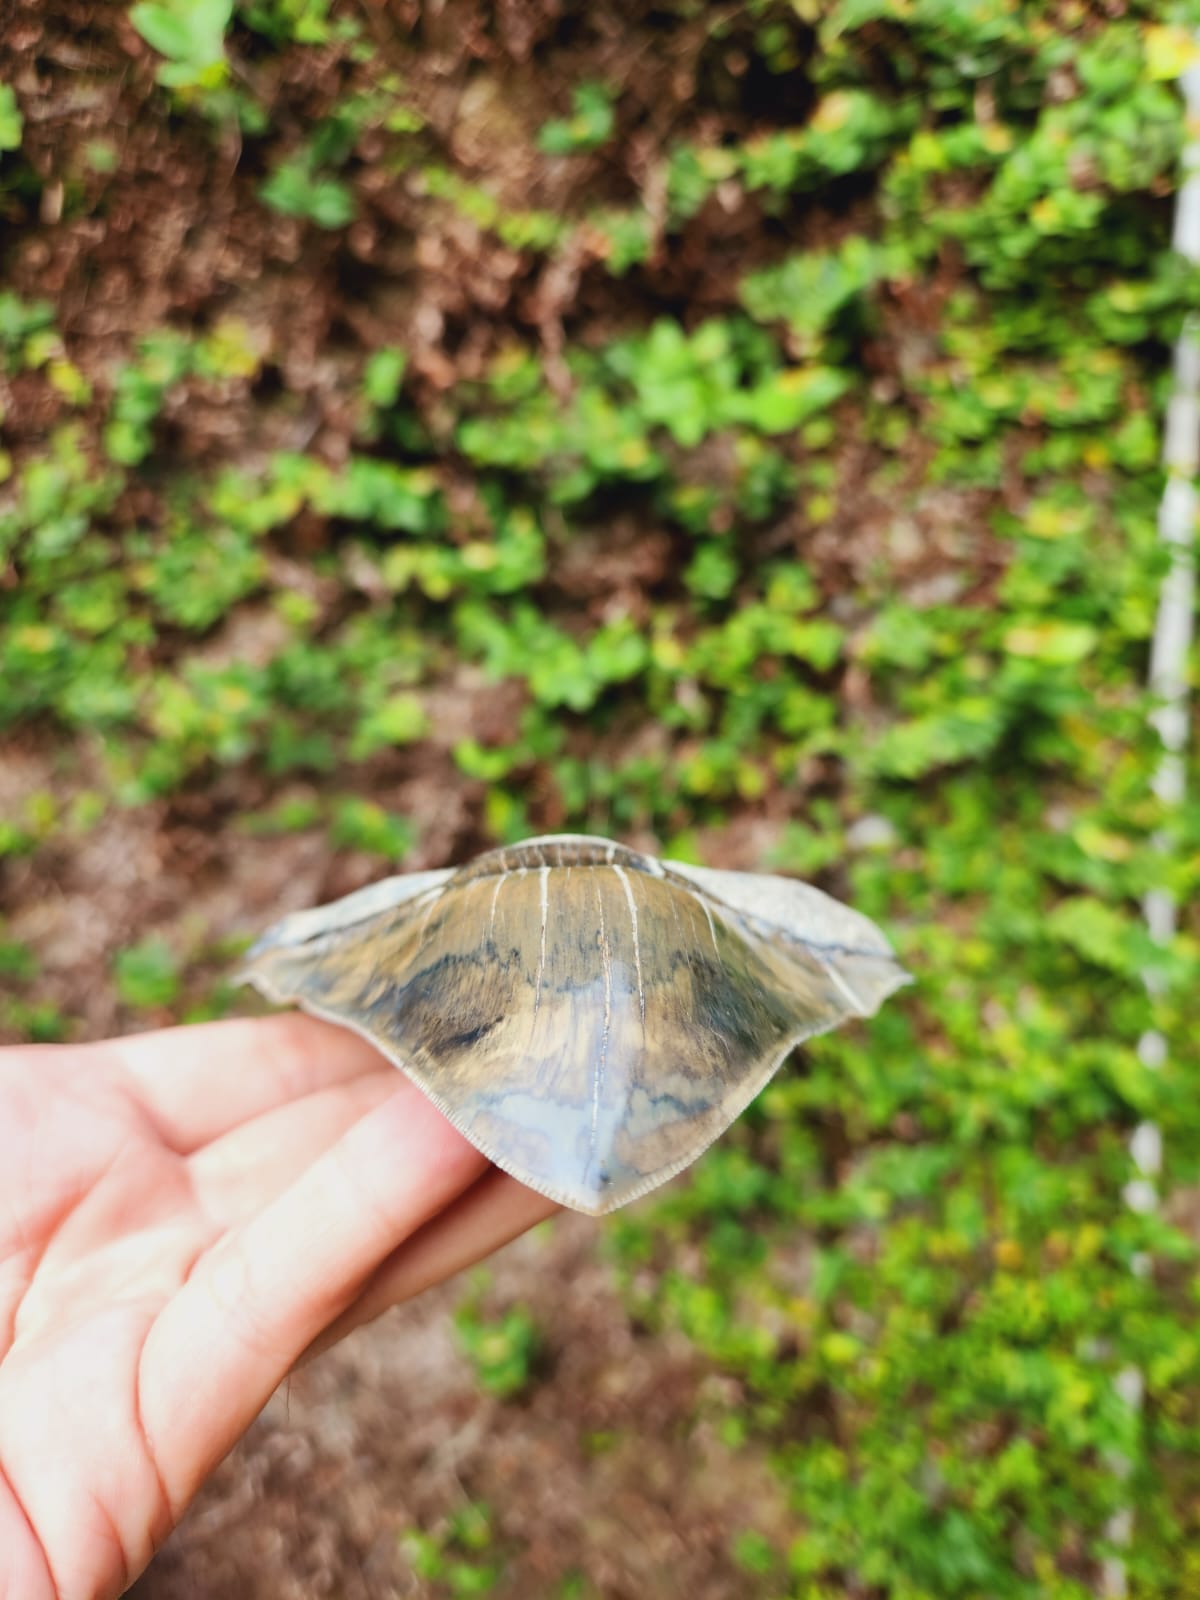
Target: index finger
pixel 199 1082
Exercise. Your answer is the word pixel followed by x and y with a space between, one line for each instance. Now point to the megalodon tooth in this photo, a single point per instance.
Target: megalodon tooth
pixel 589 1017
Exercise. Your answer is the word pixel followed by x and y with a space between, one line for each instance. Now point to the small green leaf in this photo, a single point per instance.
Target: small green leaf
pixel 784 401
pixel 147 975
pixel 382 377
pixel 589 127
pixel 363 825
pixel 1056 643
pixel 190 34
pixel 11 122
pixel 399 720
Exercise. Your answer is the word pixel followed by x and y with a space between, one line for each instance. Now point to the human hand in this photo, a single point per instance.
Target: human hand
pixel 183 1216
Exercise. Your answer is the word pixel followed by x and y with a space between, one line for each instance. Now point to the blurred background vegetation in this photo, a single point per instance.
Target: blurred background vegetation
pixel 733 427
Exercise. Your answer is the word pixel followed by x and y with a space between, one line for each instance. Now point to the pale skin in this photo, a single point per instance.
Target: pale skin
pixel 185 1216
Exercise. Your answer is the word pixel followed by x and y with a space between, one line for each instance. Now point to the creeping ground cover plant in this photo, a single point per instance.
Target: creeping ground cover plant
pixel 734 430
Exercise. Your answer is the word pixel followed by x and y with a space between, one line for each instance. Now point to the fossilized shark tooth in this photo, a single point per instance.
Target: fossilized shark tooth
pixel 590 1018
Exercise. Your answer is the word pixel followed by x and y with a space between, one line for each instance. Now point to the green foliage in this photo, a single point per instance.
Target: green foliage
pixel 297 188
pixel 382 377
pixel 147 975
pixel 521 230
pixel 459 1558
pixel 307 182
pixel 807 292
pixel 17 962
pixel 363 825
pixel 755 1554
pixel 304 21
pixel 849 130
pixel 21 321
pixel 191 35
pixel 164 359
pixel 503 1350
pixel 589 126
pixel 11 122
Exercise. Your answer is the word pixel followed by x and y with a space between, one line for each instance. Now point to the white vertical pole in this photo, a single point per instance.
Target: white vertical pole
pixel 1169 684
